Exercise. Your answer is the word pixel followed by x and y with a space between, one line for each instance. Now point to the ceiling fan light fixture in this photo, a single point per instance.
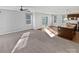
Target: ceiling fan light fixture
pixel 21 9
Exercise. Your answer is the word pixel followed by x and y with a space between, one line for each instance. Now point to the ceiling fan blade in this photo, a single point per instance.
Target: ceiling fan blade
pixel 26 10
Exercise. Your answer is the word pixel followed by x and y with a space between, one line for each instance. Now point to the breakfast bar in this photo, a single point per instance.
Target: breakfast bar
pixel 67 31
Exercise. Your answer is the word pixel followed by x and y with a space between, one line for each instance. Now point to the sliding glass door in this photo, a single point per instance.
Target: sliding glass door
pixel 58 20
pixel 45 21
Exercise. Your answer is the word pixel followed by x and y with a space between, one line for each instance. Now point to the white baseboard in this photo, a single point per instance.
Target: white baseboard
pixel 15 30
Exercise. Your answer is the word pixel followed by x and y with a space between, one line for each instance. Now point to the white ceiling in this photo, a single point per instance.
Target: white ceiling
pixel 46 9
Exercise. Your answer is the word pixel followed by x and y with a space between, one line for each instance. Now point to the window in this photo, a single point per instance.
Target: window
pixel 63 16
pixel 28 18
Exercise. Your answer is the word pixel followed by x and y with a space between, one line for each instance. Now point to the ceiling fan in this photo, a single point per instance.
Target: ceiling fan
pixel 22 9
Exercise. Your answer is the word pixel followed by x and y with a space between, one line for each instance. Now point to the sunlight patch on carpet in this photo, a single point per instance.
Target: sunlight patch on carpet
pixel 49 32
